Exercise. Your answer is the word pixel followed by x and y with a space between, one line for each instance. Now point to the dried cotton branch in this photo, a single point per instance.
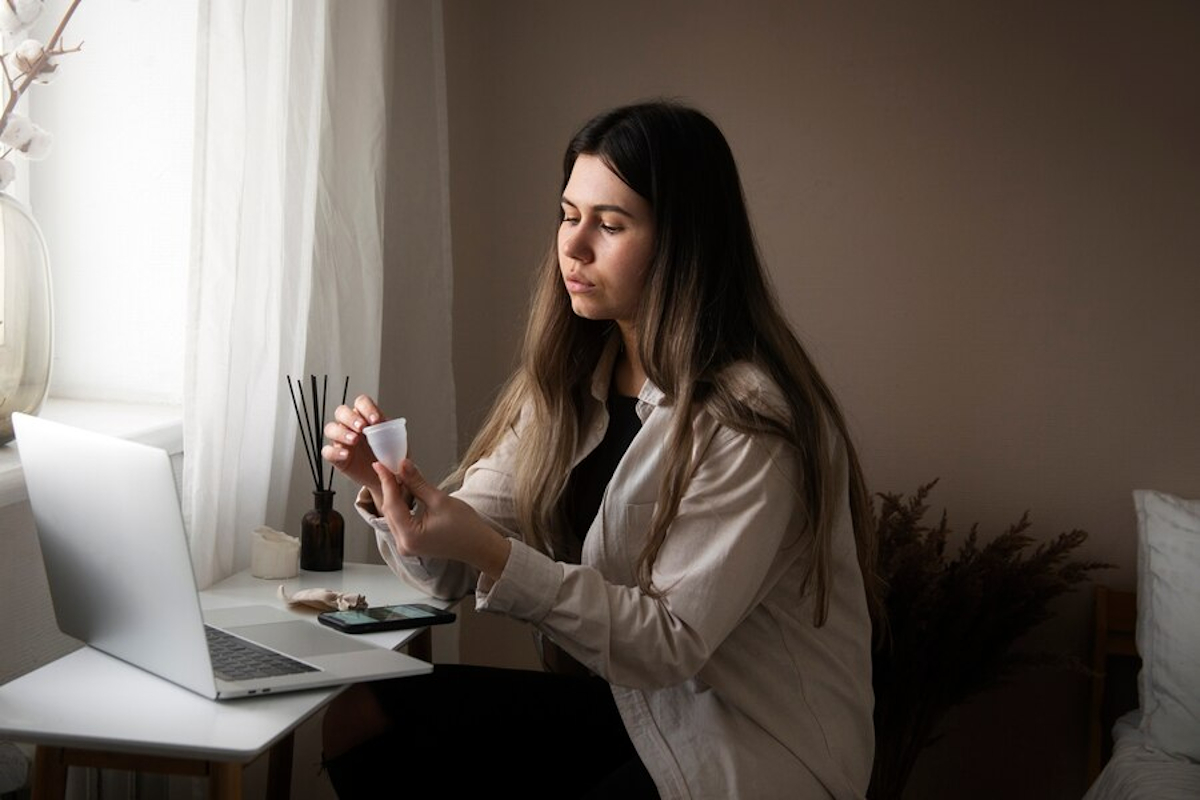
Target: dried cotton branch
pixel 17 15
pixel 28 62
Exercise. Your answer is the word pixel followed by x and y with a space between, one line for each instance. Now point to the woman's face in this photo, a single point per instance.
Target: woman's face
pixel 605 243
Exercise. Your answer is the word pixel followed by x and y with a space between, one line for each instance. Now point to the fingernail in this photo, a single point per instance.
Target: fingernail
pixel 374 418
pixel 358 424
pixel 350 437
pixel 343 453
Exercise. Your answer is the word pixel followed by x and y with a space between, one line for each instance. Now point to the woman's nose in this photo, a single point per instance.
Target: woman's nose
pixel 574 245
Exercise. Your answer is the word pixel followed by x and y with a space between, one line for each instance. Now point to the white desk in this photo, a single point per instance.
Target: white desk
pixel 89 709
pixel 375 581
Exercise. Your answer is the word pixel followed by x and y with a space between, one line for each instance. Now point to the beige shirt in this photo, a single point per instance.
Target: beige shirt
pixel 725 686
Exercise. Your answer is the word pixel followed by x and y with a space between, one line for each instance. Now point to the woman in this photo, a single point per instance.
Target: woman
pixel 665 490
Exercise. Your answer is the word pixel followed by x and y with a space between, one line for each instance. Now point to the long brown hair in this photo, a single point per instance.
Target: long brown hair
pixel 706 305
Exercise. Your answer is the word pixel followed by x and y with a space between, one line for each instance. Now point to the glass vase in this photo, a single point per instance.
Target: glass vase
pixel 26 315
pixel 322 535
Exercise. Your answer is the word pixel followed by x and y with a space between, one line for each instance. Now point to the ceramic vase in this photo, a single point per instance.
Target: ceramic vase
pixel 26 315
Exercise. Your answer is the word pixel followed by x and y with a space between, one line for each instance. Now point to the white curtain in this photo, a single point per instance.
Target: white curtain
pixel 286 267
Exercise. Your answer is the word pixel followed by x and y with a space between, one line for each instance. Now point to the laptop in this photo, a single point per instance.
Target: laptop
pixel 120 575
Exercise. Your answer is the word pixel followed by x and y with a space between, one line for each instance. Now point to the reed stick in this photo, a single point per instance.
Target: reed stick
pixel 306 425
pixel 307 452
pixel 311 424
pixel 345 390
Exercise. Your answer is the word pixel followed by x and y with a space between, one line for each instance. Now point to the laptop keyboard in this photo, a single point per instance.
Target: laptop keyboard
pixel 236 659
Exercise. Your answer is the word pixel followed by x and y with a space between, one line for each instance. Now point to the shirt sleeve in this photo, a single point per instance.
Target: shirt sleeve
pixel 486 487
pixel 737 531
pixel 440 578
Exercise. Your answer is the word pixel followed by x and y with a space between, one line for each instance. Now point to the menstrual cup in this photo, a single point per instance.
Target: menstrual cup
pixel 389 442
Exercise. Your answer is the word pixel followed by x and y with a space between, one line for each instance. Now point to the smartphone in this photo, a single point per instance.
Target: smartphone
pixel 386 618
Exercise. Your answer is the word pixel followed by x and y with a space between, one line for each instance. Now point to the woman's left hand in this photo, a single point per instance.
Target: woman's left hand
pixel 442 526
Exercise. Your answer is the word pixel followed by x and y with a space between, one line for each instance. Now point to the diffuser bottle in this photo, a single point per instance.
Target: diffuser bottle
pixel 322 535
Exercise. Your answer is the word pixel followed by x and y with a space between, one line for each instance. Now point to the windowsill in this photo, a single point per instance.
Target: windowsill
pixel 155 425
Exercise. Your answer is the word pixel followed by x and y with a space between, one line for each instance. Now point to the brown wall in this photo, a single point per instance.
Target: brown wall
pixel 981 218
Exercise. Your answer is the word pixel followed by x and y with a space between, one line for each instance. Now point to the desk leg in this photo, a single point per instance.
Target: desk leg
pixel 279 769
pixel 49 774
pixel 224 778
pixel 421 645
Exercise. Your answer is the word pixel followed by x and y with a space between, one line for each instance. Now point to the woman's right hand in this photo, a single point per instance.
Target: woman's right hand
pixel 347 447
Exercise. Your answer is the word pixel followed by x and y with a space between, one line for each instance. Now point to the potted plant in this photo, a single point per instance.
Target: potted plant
pixel 951 622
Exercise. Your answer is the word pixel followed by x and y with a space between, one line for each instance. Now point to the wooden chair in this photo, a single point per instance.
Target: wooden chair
pixel 1115 666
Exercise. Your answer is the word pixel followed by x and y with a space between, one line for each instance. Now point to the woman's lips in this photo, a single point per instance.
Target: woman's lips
pixel 577 286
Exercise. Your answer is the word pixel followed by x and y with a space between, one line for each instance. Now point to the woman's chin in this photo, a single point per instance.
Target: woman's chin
pixel 586 310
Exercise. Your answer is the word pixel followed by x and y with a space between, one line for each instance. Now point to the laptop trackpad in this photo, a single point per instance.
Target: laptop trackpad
pixel 298 638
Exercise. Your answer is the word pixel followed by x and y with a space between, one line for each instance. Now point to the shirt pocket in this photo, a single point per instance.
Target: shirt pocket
pixel 615 542
pixel 635 532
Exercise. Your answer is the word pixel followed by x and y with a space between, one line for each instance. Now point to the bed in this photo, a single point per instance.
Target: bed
pixel 1148 644
pixel 1137 771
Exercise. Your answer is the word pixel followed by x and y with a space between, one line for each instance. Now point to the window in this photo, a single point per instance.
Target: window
pixel 113 197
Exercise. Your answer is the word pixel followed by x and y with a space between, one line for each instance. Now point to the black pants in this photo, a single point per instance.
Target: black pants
pixel 467 731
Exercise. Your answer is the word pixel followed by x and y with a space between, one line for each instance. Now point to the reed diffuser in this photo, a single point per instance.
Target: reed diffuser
pixel 322 531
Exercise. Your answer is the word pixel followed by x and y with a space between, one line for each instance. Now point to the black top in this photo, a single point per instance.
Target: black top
pixel 585 487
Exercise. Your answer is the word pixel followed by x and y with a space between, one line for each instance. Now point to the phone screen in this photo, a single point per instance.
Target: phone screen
pixel 366 616
pixel 382 618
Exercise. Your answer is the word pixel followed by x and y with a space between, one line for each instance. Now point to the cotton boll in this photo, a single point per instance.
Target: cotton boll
pixel 22 57
pixel 18 15
pixel 26 56
pixel 38 146
pixel 18 130
pixel 27 10
pixel 7 173
pixel 10 24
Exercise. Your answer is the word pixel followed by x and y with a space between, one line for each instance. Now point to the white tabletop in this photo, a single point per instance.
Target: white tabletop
pixel 377 582
pixel 91 700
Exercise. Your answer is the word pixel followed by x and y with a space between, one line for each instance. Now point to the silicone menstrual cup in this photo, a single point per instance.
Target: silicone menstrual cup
pixel 389 442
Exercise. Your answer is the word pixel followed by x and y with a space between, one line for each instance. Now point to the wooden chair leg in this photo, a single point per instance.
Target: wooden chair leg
pixel 224 781
pixel 224 778
pixel 279 769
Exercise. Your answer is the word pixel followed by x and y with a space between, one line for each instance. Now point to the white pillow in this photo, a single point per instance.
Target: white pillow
pixel 1168 624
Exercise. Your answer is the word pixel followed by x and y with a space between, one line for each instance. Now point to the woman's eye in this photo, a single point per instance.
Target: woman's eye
pixel 570 220
pixel 611 228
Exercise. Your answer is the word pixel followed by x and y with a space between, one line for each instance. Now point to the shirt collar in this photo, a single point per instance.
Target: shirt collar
pixel 649 396
pixel 602 375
